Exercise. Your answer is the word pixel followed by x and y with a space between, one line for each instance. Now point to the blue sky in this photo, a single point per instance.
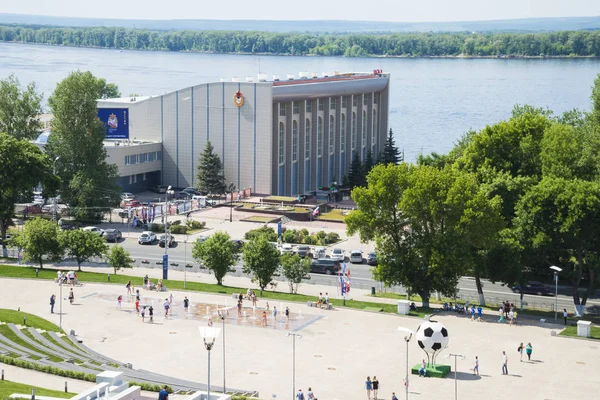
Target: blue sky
pixel 379 10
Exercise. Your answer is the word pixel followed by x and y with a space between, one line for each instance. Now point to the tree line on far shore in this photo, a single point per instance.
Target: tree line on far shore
pixel 542 44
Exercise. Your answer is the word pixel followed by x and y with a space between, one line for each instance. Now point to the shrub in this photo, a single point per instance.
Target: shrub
pixel 157 228
pixel 47 369
pixel 193 224
pixel 264 230
pixel 176 222
pixel 289 236
pixel 179 229
pixel 150 387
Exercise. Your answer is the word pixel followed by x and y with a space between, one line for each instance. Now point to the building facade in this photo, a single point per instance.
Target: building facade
pixel 277 137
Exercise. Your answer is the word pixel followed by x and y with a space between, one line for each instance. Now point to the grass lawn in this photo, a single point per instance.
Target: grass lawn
pixel 572 332
pixel 279 199
pixel 10 335
pixel 7 388
pixel 262 219
pixel 334 215
pixel 16 317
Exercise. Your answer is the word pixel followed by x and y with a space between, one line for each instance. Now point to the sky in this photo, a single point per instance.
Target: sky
pixel 380 10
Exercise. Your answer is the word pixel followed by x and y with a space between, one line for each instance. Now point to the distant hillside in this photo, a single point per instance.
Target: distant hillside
pixel 337 27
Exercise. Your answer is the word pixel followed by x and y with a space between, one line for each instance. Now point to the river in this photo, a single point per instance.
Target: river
pixel 433 102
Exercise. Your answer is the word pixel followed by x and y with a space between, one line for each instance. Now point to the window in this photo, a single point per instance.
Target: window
pixel 143 157
pixel 307 139
pixel 332 104
pixel 132 159
pixel 144 176
pixel 320 104
pixel 343 133
pixel 319 137
pixel 364 129
pixel 281 109
pixel 126 160
pixel 331 133
pixel 130 179
pixel 365 99
pixel 295 107
pixel 344 102
pixel 281 147
pixel 308 106
pixel 353 128
pixel 374 128
pixel 135 179
pixel 294 141
pixel 159 155
pixel 354 100
pixel 151 156
pixel 376 98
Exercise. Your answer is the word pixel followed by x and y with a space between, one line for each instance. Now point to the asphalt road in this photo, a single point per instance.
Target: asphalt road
pixel 362 278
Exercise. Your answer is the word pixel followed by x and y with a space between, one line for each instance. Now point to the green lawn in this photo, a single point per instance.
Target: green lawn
pixel 10 335
pixel 572 332
pixel 333 215
pixel 7 388
pixel 16 317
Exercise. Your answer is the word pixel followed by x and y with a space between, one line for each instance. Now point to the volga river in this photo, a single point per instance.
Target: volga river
pixel 433 101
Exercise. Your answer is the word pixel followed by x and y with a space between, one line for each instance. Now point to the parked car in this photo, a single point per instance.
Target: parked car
pixel 130 203
pixel 160 189
pixel 356 257
pixel 239 244
pixel 372 259
pixel 181 196
pixel 112 235
pixel 127 196
pixel 318 252
pixel 65 226
pixel 337 255
pixel 534 287
pixel 287 248
pixel 201 239
pixel 60 208
pixel 94 229
pixel 169 240
pixel 147 237
pixel 192 191
pixel 303 251
pixel 325 266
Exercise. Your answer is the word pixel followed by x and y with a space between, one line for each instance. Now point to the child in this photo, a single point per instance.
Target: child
pixel 151 314
pixel 287 313
pixel 501 312
pixel 479 313
pixel 264 318
pixel 476 366
pixel 71 296
pixel 143 313
pixel 119 300
pixel 473 312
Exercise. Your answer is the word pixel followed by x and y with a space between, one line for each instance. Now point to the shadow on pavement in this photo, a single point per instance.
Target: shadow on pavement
pixel 463 376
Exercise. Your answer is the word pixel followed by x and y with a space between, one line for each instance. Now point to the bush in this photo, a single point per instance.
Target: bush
pixel 179 229
pixel 193 224
pixel 177 222
pixel 157 228
pixel 289 236
pixel 265 230
pixel 47 369
pixel 150 387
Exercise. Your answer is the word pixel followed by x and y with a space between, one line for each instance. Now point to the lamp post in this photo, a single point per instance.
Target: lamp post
pixel 54 199
pixel 407 338
pixel 60 307
pixel 209 335
pixel 556 271
pixel 223 314
pixel 231 189
pixel 165 266
pixel 294 335
pixel 455 381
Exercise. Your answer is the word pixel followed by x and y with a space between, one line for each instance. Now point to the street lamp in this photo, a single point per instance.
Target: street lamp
pixel 185 261
pixel 455 381
pixel 231 189
pixel 223 314
pixel 556 271
pixel 209 335
pixel 60 307
pixel 168 192
pixel 407 340
pixel 54 199
pixel 294 335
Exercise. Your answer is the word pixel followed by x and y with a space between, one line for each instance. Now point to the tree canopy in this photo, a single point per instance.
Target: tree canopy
pixel 82 245
pixel 39 240
pixel 210 172
pixel 218 253
pixel 20 109
pixel 261 259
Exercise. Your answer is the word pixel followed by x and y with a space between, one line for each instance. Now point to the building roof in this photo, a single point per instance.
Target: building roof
pixel 335 78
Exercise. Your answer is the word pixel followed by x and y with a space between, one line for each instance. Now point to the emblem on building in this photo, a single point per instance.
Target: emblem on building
pixel 238 99
pixel 113 121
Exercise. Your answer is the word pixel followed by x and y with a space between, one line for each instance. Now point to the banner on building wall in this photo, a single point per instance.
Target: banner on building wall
pixel 116 122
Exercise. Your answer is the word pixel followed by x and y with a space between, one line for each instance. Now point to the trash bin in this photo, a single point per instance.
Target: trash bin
pixel 372 290
pixel 584 328
pixel 403 307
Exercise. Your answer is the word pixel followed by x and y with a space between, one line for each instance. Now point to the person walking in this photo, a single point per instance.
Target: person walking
pixel 119 301
pixel 310 395
pixel 529 350
pixel 151 314
pixel 501 312
pixel 479 313
pixel 504 363
pixel 423 369
pixel 186 304
pixel 137 302
pixel 369 387
pixel 163 394
pixel 239 308
pixel 171 303
pixel 143 313
pixel 394 396
pixel 287 313
pixel 274 314
pixel 565 315
pixel 264 318
pixel 520 351
pixel 166 305
pixel 300 395
pixel 375 383
pixel 53 302
pixel 473 312
pixel 128 286
pixel 476 366
pixel 71 296
pixel 511 316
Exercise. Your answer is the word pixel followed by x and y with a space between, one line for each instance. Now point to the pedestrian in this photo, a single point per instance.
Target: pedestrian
pixel 473 312
pixel 501 313
pixel 299 395
pixel 119 301
pixel 128 286
pixel 71 296
pixel 320 300
pixel 511 315
pixel 504 363
pixel 368 387
pixel 375 383
pixel 476 366
pixel 267 306
pixel 529 350
pixel 163 394
pixel 53 302
pixel 565 315
pixel 275 313
pixel 520 350
pixel 186 304
pixel 239 308
pixel 241 297
pixel 287 313
pixel 253 300
pixel 506 308
pixel 479 313
pixel 310 395
pixel 423 369
pixel 137 302
pixel 264 318
pixel 394 396
pixel 151 314
pixel 210 321
pixel 143 313
pixel 515 317
pixel 166 305
pixel 326 298
pixel 171 302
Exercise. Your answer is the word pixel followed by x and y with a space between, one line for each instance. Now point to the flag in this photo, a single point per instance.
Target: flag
pixel 316 211
pixel 348 280
pixel 343 285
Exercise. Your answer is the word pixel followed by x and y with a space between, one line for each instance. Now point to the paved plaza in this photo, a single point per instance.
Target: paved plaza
pixel 337 351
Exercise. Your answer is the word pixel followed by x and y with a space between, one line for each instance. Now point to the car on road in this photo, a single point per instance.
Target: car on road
pixel 168 239
pixel 192 191
pixel 65 226
pixel 356 257
pixel 113 235
pixel 201 239
pixel 534 287
pixel 94 229
pixel 372 258
pixel 130 203
pixel 182 196
pixel 60 208
pixel 325 266
pixel 147 237
pixel 287 248
pixel 303 251
pixel 160 189
pixel 337 255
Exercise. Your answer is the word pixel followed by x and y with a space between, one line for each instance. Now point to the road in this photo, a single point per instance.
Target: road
pixel 362 278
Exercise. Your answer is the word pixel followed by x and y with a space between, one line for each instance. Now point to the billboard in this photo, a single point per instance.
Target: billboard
pixel 116 122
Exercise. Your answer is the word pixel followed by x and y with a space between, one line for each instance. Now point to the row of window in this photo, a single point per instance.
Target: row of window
pixel 133 178
pixel 143 157
pixel 332 103
pixel 331 130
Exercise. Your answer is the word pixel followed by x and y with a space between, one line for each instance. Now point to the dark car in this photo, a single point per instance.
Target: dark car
pixel 182 196
pixel 67 227
pixel 192 191
pixel 303 251
pixel 372 259
pixel 239 244
pixel 325 266
pixel 159 189
pixel 170 241
pixel 537 288
pixel 112 235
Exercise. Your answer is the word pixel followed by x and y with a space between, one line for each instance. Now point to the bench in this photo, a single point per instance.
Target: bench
pixel 311 303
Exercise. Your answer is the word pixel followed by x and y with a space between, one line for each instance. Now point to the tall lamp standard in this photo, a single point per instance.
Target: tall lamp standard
pixel 54 199
pixel 556 271
pixel 60 307
pixel 455 381
pixel 294 335
pixel 231 189
pixel 407 338
pixel 223 314
pixel 209 335
pixel 165 266
pixel 185 261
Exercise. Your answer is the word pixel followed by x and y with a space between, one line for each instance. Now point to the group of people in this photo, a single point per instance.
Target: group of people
pixel 71 298
pixel 508 311
pixel 67 278
pixel 309 395
pixel 323 300
pixel 372 387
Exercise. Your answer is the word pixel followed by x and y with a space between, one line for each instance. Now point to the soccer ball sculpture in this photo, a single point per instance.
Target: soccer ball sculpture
pixel 432 337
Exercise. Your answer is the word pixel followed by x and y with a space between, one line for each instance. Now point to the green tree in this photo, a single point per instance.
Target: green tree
pixel 261 259
pixel 218 253
pixel 89 182
pixel 391 154
pixel 369 163
pixel 210 178
pixel 82 245
pixel 356 174
pixel 39 239
pixel 119 258
pixel 596 100
pixel 24 166
pixel 294 268
pixel 19 109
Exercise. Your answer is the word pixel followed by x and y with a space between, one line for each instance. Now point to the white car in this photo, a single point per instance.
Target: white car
pixel 356 257
pixel 147 237
pixel 337 255
pixel 127 196
pixel 287 249
pixel 94 229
